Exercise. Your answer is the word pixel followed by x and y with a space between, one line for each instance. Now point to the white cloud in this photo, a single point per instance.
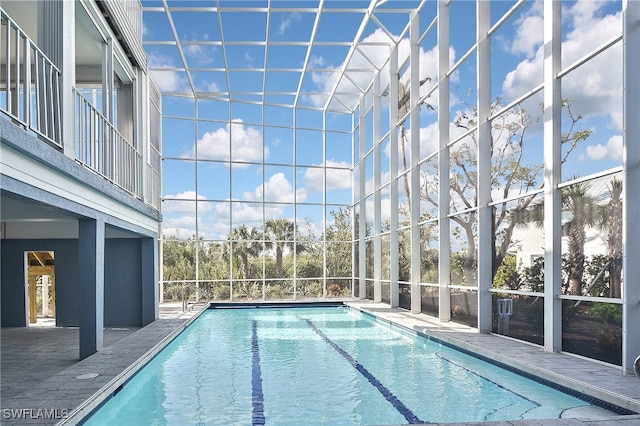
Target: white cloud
pixel 167 81
pixel 183 202
pixel 286 20
pixel 429 142
pixel 181 227
pixel 199 54
pixel 529 31
pixel 244 212
pixel 385 209
pixel 248 57
pixel 612 150
pixel 595 86
pixel 276 189
pixel 378 54
pixel 246 144
pixel 336 178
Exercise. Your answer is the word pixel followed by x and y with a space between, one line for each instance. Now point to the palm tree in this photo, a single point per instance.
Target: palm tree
pixel 245 244
pixel 613 216
pixel 580 210
pixel 279 234
pixel 404 98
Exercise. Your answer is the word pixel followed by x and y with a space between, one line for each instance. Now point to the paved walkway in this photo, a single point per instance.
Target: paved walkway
pixel 43 383
pixel 595 379
pixel 42 380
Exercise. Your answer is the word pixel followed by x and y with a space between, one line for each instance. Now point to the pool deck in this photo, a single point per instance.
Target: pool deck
pixel 43 382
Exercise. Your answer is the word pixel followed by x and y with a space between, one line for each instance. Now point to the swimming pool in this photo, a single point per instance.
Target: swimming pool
pixel 328 365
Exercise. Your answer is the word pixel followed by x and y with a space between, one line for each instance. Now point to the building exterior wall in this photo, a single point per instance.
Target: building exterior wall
pixel 76 171
pixel 13 278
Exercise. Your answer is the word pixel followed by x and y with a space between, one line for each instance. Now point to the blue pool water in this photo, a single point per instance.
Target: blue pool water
pixel 325 366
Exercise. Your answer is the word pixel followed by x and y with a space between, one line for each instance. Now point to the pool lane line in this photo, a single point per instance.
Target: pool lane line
pixel 257 397
pixel 468 370
pixel 389 396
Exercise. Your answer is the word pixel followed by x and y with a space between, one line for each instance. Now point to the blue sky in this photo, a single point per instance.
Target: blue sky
pixel 593 88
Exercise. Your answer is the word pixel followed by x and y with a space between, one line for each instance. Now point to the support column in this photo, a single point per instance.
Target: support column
pixel 444 250
pixel 394 268
pixel 45 296
pixel 91 284
pixel 362 213
pixel 414 36
pixel 33 301
pixel 149 279
pixel 485 218
pixel 552 177
pixel 377 171
pixel 631 162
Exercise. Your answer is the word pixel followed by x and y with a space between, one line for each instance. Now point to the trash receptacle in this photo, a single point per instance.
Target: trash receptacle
pixel 505 310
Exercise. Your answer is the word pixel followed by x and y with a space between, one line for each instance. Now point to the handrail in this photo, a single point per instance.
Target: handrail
pixel 30 83
pixel 100 147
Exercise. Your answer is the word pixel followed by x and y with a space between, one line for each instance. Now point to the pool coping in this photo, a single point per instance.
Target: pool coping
pixel 80 413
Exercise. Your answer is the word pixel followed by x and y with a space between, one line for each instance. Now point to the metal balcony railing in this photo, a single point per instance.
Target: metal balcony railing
pixel 30 94
pixel 29 83
pixel 101 148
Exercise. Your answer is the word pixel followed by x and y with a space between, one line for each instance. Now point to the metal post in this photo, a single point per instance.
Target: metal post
pixel 631 162
pixel 394 268
pixel 443 162
pixel 414 35
pixel 362 230
pixel 377 217
pixel 552 176
pixel 485 218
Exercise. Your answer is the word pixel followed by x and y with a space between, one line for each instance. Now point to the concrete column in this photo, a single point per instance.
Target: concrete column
pixel 485 218
pixel 149 279
pixel 91 277
pixel 552 177
pixel 444 227
pixel 631 161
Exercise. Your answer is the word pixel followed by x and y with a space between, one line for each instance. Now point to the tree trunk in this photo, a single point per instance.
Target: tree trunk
pixel 403 139
pixel 576 255
pixel 470 262
pixel 614 240
pixel 279 271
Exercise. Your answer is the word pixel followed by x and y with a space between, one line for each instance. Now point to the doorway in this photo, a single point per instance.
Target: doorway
pixel 41 287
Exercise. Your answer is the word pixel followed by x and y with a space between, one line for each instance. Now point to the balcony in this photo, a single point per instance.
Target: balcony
pixel 31 96
pixel 29 83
